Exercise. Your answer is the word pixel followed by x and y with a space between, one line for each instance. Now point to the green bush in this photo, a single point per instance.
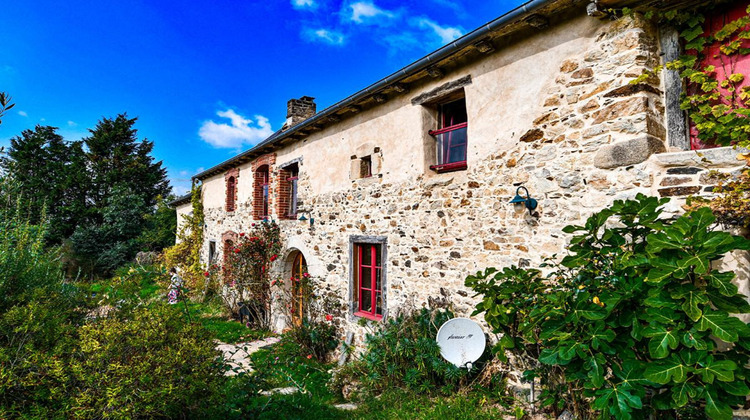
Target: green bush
pixel 317 338
pixel 151 365
pixel 403 352
pixel 37 315
pixel 635 321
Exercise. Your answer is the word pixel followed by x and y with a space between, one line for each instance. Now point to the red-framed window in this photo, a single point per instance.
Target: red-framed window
pixel 724 65
pixel 261 194
pixel 451 140
pixel 228 249
pixel 231 193
pixel 292 180
pixel 369 281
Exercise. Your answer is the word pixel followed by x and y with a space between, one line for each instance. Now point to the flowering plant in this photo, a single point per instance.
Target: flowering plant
pixel 246 272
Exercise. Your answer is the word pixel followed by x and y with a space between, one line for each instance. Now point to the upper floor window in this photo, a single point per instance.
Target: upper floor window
pixel 450 137
pixel 231 193
pixel 287 185
pixel 365 167
pixel 261 193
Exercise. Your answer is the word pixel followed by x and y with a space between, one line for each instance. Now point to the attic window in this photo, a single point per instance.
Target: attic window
pixel 365 167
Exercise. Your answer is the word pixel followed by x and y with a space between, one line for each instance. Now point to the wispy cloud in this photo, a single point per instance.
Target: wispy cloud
pixel 23 113
pixel 445 33
pixel 327 36
pixel 240 131
pixel 304 4
pixel 72 124
pixel 367 12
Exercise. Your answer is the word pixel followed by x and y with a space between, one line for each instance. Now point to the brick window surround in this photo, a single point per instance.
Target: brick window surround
pixel 262 194
pixel 286 191
pixel 230 179
pixel 228 240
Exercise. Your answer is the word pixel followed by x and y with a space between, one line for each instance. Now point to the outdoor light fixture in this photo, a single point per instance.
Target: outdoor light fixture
pixel 519 202
pixel 303 218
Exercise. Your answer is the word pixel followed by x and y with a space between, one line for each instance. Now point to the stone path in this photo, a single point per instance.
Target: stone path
pixel 238 355
pixel 238 358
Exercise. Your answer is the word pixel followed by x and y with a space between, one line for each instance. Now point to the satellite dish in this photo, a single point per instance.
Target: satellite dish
pixel 461 341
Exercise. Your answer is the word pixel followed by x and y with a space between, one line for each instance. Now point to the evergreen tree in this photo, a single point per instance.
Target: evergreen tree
pixel 51 176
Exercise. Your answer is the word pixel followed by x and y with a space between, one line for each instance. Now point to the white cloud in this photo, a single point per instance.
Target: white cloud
pixel 363 11
pixel 23 113
pixel 72 124
pixel 303 4
pixel 445 33
pixel 239 132
pixel 325 35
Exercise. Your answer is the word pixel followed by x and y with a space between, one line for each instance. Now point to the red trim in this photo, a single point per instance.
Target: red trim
pixel 449 167
pixel 375 271
pixel 447 129
pixel 368 315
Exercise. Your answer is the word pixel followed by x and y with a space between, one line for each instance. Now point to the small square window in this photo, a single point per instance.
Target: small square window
pixel 365 167
pixel 451 141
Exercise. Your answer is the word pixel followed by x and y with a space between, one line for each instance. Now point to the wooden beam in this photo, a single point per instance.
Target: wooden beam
pixel 435 72
pixel 401 87
pixel 484 46
pixel 379 98
pixel 677 126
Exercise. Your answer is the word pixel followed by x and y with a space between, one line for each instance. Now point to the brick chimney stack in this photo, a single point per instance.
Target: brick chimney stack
pixel 298 110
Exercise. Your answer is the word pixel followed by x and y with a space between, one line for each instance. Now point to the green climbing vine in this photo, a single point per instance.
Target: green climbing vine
pixel 186 253
pixel 716 99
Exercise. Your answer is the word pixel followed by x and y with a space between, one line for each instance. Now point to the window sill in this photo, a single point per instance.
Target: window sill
pixel 449 167
pixel 369 316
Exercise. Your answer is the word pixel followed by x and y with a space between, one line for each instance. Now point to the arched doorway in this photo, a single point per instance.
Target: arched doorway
pixel 299 272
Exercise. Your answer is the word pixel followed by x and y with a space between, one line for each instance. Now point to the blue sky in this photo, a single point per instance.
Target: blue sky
pixel 208 79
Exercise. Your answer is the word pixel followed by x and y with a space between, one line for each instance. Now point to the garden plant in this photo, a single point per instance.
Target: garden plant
pixel 638 320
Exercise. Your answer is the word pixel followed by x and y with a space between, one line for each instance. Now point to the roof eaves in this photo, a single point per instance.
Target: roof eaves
pixel 512 16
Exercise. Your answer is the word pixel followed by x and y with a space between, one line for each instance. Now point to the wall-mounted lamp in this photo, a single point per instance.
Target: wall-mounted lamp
pixel 303 219
pixel 519 202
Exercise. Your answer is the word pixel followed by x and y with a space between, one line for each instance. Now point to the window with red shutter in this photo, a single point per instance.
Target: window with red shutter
pixel 724 65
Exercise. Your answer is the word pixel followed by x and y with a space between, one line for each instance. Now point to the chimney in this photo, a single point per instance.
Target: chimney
pixel 298 110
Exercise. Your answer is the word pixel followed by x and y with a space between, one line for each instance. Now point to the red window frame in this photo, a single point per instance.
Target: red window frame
pixel 375 279
pixel 265 185
pixel 448 127
pixel 292 210
pixel 231 193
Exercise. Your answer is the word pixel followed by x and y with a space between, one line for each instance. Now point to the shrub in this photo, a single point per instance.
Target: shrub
pixel 37 315
pixel 247 272
pixel 403 352
pixel 151 365
pixel 635 321
pixel 316 331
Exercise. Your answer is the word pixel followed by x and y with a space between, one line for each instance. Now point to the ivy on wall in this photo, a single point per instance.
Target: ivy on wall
pixel 185 255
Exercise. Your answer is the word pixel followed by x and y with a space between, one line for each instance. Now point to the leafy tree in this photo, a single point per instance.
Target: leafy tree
pixel 160 227
pixel 116 158
pixel 51 175
pixel 5 104
pixel 637 320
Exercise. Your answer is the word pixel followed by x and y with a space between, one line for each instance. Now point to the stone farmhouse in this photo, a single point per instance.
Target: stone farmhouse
pixel 393 195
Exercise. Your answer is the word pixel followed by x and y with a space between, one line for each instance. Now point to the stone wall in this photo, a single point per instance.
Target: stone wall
pixel 593 138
